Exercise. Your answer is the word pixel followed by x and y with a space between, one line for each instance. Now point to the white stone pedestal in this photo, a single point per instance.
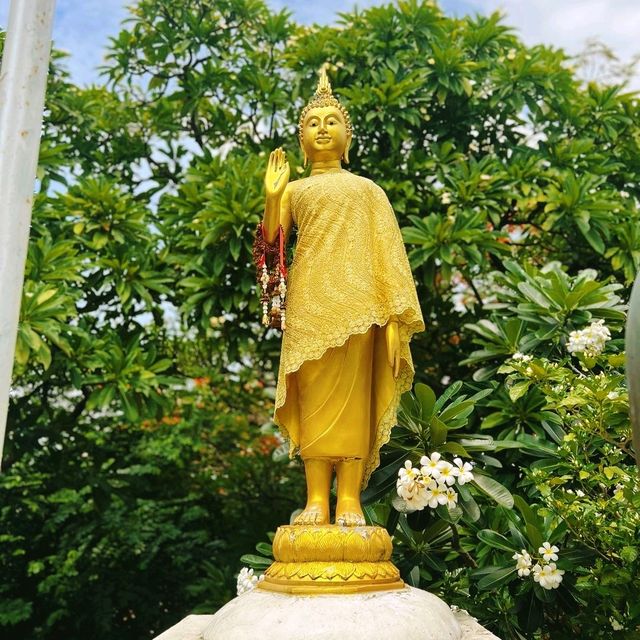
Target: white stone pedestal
pixel 383 615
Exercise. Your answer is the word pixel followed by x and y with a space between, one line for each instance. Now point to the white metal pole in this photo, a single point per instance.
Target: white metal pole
pixel 632 347
pixel 23 79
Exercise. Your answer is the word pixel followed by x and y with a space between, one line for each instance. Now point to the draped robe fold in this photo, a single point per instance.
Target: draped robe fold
pixel 336 395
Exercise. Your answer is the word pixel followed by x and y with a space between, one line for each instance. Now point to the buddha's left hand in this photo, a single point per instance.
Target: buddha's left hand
pixel 392 336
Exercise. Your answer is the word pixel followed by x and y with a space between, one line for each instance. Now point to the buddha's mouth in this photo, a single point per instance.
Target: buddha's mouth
pixel 323 139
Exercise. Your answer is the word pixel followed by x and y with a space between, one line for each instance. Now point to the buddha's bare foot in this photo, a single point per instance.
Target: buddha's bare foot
pixel 314 513
pixel 349 514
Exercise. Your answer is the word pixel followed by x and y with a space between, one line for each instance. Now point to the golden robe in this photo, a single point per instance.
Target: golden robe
pixel 336 395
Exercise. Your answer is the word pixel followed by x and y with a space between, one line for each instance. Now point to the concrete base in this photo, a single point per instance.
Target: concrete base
pixel 386 615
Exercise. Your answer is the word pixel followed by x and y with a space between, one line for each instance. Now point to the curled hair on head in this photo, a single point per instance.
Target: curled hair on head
pixel 324 98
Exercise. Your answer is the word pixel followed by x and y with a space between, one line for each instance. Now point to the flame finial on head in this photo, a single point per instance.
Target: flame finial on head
pixel 324 86
pixel 324 97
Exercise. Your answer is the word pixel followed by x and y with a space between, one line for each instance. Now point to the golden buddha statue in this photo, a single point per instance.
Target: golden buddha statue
pixel 351 308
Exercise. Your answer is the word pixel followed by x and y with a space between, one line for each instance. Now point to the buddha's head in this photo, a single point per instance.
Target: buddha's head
pixel 324 128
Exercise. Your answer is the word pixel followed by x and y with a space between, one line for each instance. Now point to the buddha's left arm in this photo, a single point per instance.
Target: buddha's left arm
pixel 392 338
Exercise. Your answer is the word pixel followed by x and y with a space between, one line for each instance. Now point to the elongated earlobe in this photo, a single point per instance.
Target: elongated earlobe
pixel 345 154
pixel 305 161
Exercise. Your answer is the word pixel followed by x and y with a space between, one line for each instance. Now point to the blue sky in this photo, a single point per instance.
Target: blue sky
pixel 82 27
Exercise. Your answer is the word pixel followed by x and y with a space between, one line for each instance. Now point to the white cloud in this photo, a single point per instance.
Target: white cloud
pixel 81 28
pixel 570 23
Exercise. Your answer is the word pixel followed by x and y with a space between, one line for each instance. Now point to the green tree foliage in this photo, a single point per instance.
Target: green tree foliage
pixel 139 462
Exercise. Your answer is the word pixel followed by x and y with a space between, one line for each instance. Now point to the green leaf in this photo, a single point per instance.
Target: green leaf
pixel 535 535
pixel 519 389
pixel 414 577
pixel 530 517
pixel 426 397
pixel 497 578
pixel 256 562
pixel 455 448
pixel 531 615
pixel 438 432
pixel 468 505
pixel 494 490
pixel 496 540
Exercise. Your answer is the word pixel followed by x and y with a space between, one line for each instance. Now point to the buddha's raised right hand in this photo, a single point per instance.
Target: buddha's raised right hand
pixel 277 176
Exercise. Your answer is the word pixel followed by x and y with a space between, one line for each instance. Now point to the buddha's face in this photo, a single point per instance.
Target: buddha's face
pixel 324 134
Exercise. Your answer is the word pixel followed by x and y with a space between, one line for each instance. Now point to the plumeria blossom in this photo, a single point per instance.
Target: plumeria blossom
pixel 615 625
pixel 545 572
pixel 418 499
pixel 548 576
pixel 447 474
pixel 452 497
pixel 523 563
pixel 462 471
pixel 246 581
pixel 436 494
pixel 432 466
pixel 589 341
pixel 408 474
pixel 411 488
pixel 521 356
pixel 432 485
pixel 408 490
pixel 549 553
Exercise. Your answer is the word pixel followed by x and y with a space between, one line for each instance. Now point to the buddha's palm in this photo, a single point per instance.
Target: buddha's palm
pixel 277 175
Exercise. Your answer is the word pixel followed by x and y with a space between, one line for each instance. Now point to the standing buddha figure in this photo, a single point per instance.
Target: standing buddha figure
pixel 351 309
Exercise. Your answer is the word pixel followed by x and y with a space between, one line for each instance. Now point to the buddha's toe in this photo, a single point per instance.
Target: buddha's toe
pixel 313 514
pixel 350 519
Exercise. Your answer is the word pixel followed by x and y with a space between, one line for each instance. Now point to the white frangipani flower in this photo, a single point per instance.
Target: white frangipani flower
pixel 246 581
pixel 589 341
pixel 548 576
pixel 436 494
pixel 431 485
pixel 462 471
pixel 408 473
pixel 414 497
pixel 452 498
pixel 445 198
pixel 446 474
pixel 409 486
pixel 615 625
pixel 549 553
pixel 432 465
pixel 523 563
